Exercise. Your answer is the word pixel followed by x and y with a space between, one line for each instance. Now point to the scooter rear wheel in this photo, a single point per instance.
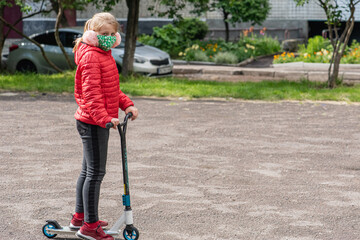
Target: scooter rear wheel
pixel 45 230
pixel 131 233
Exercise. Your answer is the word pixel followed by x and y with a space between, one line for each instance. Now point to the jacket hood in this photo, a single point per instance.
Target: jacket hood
pixel 84 48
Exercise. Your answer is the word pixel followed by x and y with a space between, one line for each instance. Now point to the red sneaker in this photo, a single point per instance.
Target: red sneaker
pixel 76 223
pixel 93 234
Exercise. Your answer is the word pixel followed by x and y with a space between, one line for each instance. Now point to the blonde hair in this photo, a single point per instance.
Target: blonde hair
pixel 95 24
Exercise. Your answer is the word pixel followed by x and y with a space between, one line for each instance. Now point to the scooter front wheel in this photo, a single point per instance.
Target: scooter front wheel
pixel 45 230
pixel 131 233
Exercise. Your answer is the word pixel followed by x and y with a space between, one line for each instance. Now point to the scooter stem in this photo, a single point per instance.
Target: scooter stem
pixel 122 131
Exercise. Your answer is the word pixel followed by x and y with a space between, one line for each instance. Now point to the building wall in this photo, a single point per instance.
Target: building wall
pixel 12 15
pixel 287 9
pixel 280 10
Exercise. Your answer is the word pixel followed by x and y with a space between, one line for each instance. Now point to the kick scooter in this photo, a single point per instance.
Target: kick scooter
pixel 52 228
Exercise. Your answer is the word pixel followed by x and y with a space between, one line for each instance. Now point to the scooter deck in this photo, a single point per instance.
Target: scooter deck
pixel 68 230
pixel 61 230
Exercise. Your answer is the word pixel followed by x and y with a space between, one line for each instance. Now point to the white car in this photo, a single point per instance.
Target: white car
pixel 26 56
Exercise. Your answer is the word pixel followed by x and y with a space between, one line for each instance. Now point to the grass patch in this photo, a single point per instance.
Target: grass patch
pixel 56 83
pixel 175 87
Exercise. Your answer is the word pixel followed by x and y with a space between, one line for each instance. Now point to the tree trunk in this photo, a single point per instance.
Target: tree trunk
pixel 2 37
pixel 36 43
pixel 55 5
pixel 131 33
pixel 333 73
pixel 58 20
pixel 227 32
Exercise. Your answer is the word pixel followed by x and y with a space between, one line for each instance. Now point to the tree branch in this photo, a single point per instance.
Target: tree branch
pixel 28 16
pixel 57 38
pixel 31 40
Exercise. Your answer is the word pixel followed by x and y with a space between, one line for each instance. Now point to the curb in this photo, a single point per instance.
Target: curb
pixel 292 73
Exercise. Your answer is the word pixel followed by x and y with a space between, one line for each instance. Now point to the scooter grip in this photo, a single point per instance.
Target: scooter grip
pixel 109 125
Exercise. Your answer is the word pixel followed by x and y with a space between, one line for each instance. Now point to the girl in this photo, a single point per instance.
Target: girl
pixel 99 98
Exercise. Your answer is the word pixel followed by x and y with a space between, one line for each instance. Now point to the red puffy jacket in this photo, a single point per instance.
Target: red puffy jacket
pixel 97 91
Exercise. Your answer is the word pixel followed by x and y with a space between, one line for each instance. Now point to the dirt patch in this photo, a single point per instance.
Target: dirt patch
pixel 198 169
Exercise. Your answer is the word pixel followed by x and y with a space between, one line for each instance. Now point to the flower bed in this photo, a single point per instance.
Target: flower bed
pixel 319 50
pixel 250 45
pixel 219 51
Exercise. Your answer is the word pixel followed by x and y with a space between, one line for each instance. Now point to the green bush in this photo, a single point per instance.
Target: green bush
pixel 352 55
pixel 194 53
pixel 175 38
pixel 179 39
pixel 200 56
pixel 246 47
pixel 316 44
pixel 145 39
pixel 260 45
pixel 226 57
pixel 168 38
pixel 319 50
pixel 192 28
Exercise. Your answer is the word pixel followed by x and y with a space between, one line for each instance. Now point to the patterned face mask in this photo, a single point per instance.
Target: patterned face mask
pixel 106 42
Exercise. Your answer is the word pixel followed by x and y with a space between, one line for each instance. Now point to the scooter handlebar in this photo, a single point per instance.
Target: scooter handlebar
pixel 110 124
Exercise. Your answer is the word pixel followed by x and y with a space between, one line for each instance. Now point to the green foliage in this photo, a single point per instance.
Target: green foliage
pixel 246 47
pixel 200 56
pixel 262 45
pixel 234 11
pixel 315 44
pixel 192 28
pixel 175 38
pixel 319 50
pixel 145 39
pixel 168 34
pixel 194 53
pixel 352 54
pixel 168 38
pixel 31 82
pixel 172 9
pixel 24 7
pixel 254 11
pixel 225 57
pixel 106 5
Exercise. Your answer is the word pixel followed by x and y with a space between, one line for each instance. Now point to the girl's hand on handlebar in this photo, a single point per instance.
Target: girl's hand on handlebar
pixel 115 121
pixel 134 112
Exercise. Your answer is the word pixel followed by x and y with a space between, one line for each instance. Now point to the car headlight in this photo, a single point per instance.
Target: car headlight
pixel 138 59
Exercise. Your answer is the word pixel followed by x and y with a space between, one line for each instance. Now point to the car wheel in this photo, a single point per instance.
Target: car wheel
pixel 118 67
pixel 26 66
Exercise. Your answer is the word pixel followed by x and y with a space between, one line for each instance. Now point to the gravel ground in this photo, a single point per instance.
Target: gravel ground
pixel 199 170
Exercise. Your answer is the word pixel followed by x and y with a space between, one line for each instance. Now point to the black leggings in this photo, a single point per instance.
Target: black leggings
pixel 95 144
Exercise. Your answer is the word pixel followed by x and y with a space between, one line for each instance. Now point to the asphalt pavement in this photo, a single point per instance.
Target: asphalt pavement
pixel 200 170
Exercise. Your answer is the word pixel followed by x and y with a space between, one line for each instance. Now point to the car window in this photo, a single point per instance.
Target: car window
pixel 68 38
pixel 46 38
